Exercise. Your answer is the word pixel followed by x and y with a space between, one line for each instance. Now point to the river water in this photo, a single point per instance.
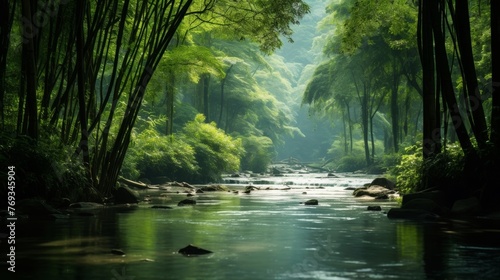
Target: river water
pixel 267 234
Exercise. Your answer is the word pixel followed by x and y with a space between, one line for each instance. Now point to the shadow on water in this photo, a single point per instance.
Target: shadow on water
pixel 261 235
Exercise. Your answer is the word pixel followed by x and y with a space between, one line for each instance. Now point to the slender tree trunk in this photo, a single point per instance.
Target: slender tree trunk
pixel 395 106
pixel 206 83
pixel 30 120
pixel 344 122
pixel 473 98
pixel 364 122
pixel 446 84
pixel 495 73
pixel 350 126
pixel 431 135
pixel 372 140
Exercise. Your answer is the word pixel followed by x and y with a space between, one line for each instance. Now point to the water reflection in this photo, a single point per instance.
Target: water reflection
pixel 265 235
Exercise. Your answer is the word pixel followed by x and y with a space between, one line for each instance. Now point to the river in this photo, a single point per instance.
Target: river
pixel 267 234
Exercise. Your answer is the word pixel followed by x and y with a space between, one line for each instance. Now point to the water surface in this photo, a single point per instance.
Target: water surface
pixel 267 234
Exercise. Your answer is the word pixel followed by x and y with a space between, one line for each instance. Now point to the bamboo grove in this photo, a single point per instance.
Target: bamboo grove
pixel 76 72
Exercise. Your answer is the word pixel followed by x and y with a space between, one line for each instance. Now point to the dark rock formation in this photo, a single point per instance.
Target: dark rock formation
pixel 386 183
pixel 468 206
pixel 186 202
pixel 311 202
pixel 191 250
pixel 124 195
pixel 374 208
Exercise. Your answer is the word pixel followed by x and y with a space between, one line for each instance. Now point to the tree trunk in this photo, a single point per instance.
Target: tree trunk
pixel 364 123
pixel 395 106
pixel 431 135
pixel 30 121
pixel 446 84
pixel 495 73
pixel 473 98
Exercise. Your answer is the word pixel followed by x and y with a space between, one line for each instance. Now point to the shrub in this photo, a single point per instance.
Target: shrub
pixel 442 171
pixel 153 155
pixel 351 163
pixel 258 153
pixel 215 151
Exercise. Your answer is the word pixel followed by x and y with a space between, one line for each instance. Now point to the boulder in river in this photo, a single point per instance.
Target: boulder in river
pixel 468 206
pixel 186 202
pixel 311 202
pixel 373 191
pixel 191 250
pixel 383 182
pixel 124 195
pixel 374 208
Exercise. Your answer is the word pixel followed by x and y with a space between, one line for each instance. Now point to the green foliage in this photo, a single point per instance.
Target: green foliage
pixel 258 153
pixel 153 155
pixel 215 151
pixel 351 163
pixel 408 171
pixel 414 174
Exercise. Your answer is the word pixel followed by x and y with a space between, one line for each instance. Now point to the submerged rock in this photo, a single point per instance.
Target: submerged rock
pixel 186 202
pixel 191 250
pixel 160 207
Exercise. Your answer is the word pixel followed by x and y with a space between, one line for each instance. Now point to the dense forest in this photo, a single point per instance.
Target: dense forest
pixel 189 90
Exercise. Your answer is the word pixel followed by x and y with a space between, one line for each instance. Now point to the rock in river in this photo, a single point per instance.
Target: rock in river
pixel 191 250
pixel 311 202
pixel 186 202
pixel 124 195
pixel 374 208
